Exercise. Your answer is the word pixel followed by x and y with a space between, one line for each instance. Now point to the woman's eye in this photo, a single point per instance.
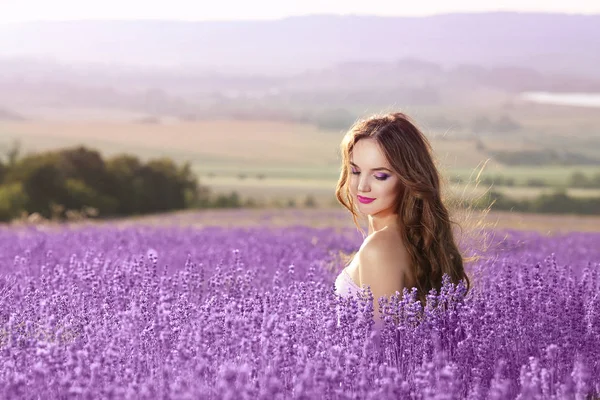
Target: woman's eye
pixel 378 177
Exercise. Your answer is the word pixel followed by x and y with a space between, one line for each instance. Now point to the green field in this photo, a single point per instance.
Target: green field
pixel 323 190
pixel 293 160
pixel 553 175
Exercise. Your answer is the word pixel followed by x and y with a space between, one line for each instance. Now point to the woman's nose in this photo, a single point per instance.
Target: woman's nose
pixel 363 184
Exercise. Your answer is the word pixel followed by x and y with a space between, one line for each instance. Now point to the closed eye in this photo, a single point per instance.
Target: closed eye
pixel 379 178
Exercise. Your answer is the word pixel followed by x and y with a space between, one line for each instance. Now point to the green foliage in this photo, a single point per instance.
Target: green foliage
pixel 334 119
pixel 596 180
pixel 3 170
pixel 580 180
pixel 81 196
pixel 536 182
pixel 12 200
pixel 159 186
pixel 87 166
pixel 54 183
pixel 228 201
pixel 542 158
pixel 500 201
pixel 126 185
pixel 310 201
pixel 456 179
pixel 44 184
pixel 558 202
pixel 250 203
pixel 498 180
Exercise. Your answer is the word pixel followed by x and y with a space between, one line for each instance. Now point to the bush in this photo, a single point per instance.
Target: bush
pixel 250 203
pixel 227 201
pixel 456 179
pixel 536 182
pixel 500 201
pixel 82 196
pixel 3 170
pixel 12 201
pixel 310 202
pixel 580 180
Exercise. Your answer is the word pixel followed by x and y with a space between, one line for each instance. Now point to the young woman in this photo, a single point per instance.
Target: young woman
pixel 388 174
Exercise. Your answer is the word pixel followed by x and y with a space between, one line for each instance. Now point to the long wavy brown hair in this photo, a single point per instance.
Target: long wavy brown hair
pixel 426 227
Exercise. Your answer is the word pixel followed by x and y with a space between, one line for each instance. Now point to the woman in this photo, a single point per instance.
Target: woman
pixel 389 175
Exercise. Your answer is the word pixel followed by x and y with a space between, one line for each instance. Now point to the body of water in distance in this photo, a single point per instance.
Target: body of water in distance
pixel 567 99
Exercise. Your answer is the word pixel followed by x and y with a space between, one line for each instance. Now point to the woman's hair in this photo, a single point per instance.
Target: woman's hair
pixel 427 226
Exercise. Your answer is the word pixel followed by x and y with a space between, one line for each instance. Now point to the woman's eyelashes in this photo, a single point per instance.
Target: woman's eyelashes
pixel 381 177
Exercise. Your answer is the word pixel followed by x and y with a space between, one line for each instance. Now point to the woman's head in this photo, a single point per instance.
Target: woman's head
pixel 408 186
pixel 373 182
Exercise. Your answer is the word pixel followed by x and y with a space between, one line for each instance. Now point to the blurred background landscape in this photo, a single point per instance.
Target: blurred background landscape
pixel 125 117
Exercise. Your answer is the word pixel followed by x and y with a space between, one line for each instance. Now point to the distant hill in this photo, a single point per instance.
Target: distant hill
pixel 350 86
pixel 8 115
pixel 547 43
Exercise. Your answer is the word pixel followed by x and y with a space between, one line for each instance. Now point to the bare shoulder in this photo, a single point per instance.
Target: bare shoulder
pixel 383 246
pixel 383 262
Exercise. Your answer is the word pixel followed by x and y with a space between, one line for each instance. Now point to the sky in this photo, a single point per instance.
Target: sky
pixel 28 10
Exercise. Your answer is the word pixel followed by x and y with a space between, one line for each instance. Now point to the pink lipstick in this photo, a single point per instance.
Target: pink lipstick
pixel 364 200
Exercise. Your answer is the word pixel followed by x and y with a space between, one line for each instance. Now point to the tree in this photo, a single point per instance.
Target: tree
pixel 12 201
pixel 82 196
pixel 596 180
pixel 3 170
pixel 228 201
pixel 43 185
pixel 579 180
pixel 124 169
pixel 57 183
pixel 86 166
pixel 310 201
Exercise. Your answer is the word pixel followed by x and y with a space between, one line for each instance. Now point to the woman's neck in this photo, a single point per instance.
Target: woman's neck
pixel 378 222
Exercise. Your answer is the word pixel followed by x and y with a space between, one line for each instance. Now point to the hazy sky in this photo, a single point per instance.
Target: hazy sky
pixel 23 10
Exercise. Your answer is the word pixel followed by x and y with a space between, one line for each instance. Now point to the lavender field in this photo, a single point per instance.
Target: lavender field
pixel 175 312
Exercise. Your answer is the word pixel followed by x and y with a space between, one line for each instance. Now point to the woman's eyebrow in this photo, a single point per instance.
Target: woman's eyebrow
pixel 374 169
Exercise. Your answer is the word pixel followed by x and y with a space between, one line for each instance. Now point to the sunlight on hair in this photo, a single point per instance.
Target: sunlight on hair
pixel 476 231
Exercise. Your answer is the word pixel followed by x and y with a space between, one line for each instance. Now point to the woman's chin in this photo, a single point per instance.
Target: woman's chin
pixel 365 209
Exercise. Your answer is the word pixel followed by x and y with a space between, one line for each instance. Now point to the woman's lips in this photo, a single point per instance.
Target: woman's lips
pixel 364 200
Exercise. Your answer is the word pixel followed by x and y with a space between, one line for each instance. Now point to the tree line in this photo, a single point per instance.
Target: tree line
pixel 53 183
pixel 558 202
pixel 78 183
pixel 577 180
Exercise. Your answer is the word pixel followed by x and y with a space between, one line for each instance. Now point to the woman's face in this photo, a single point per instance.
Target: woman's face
pixel 372 177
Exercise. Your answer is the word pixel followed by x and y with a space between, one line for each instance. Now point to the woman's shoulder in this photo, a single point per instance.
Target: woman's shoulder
pixel 383 243
pixel 386 252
